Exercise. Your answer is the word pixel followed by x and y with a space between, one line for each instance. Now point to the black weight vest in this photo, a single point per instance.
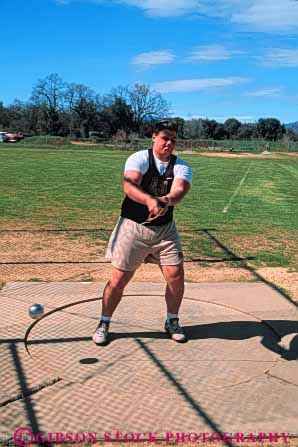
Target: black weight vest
pixel 156 185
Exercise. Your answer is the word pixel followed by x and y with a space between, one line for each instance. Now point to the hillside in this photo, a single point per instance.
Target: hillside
pixel 293 126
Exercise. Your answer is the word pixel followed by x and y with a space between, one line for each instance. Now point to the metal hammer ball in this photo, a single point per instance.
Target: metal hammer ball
pixel 36 311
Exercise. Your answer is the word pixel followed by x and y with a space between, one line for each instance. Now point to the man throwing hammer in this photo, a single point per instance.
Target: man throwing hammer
pixel 155 181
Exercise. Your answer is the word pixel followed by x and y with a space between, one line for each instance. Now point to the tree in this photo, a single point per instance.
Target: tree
pixel 231 127
pixel 146 129
pixel 75 92
pixel 146 104
pixel 81 104
pixel 181 123
pixel 88 118
pixel 219 132
pixel 118 114
pixel 4 118
pixel 49 94
pixel 270 129
pixel 16 114
pixel 246 131
pixel 192 128
pixel 208 128
pixel 291 135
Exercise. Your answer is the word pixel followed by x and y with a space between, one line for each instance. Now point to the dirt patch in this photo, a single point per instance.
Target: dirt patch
pixel 42 256
pixel 50 247
pixel 83 143
pixel 279 276
pixel 226 154
pixel 292 154
pixel 283 278
pixel 235 155
pixel 279 240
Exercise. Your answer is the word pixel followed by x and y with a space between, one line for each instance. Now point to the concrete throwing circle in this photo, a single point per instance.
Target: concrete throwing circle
pixel 226 347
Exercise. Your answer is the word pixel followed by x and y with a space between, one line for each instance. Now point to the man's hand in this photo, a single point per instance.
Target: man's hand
pixel 154 205
pixel 179 189
pixel 165 199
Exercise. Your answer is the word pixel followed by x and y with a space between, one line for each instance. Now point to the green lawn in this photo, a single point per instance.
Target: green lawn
pixel 70 189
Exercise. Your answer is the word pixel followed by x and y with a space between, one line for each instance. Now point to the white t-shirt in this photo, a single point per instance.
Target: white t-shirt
pixel 139 161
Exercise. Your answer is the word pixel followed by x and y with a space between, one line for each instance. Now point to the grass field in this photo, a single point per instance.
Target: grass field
pixel 251 204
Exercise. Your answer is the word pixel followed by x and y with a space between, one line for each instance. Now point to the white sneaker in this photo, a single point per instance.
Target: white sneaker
pixel 101 334
pixel 175 331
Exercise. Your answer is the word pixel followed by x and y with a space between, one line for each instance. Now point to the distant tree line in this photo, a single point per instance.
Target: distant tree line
pixel 269 129
pixel 69 109
pixel 60 108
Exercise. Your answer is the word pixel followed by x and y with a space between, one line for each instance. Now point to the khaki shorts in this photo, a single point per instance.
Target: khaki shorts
pixel 132 243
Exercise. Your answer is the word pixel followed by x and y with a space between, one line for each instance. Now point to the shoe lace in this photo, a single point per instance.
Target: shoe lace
pixel 103 327
pixel 175 325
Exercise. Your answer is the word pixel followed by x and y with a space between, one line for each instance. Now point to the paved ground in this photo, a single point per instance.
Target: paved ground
pixel 237 373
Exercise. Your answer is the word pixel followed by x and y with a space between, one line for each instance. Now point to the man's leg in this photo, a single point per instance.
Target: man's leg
pixel 113 291
pixel 174 276
pixel 111 298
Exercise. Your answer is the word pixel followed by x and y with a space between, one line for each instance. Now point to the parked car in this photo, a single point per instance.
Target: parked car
pixel 3 137
pixel 14 137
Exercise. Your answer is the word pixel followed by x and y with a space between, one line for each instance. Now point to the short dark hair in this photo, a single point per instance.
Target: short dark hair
pixel 165 125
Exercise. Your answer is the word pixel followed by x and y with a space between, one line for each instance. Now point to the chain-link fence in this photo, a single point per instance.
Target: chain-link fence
pixel 255 146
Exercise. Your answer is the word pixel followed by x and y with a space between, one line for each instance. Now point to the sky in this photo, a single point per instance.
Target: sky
pixel 209 58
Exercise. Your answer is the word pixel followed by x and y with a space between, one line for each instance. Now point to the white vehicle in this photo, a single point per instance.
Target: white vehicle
pixel 3 137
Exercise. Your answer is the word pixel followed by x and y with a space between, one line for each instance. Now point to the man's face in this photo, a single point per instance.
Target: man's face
pixel 164 143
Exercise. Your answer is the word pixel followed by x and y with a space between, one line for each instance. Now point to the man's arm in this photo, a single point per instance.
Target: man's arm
pixel 131 187
pixel 179 189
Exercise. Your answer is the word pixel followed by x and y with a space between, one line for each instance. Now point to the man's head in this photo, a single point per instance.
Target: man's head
pixel 164 139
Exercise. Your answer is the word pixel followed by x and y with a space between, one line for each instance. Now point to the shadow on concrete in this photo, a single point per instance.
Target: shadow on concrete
pixel 184 393
pixel 270 331
pixel 241 330
pixel 88 361
pixel 234 330
pixel 28 404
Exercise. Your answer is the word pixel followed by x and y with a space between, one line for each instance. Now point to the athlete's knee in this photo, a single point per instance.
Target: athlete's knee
pixel 119 280
pixel 176 274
